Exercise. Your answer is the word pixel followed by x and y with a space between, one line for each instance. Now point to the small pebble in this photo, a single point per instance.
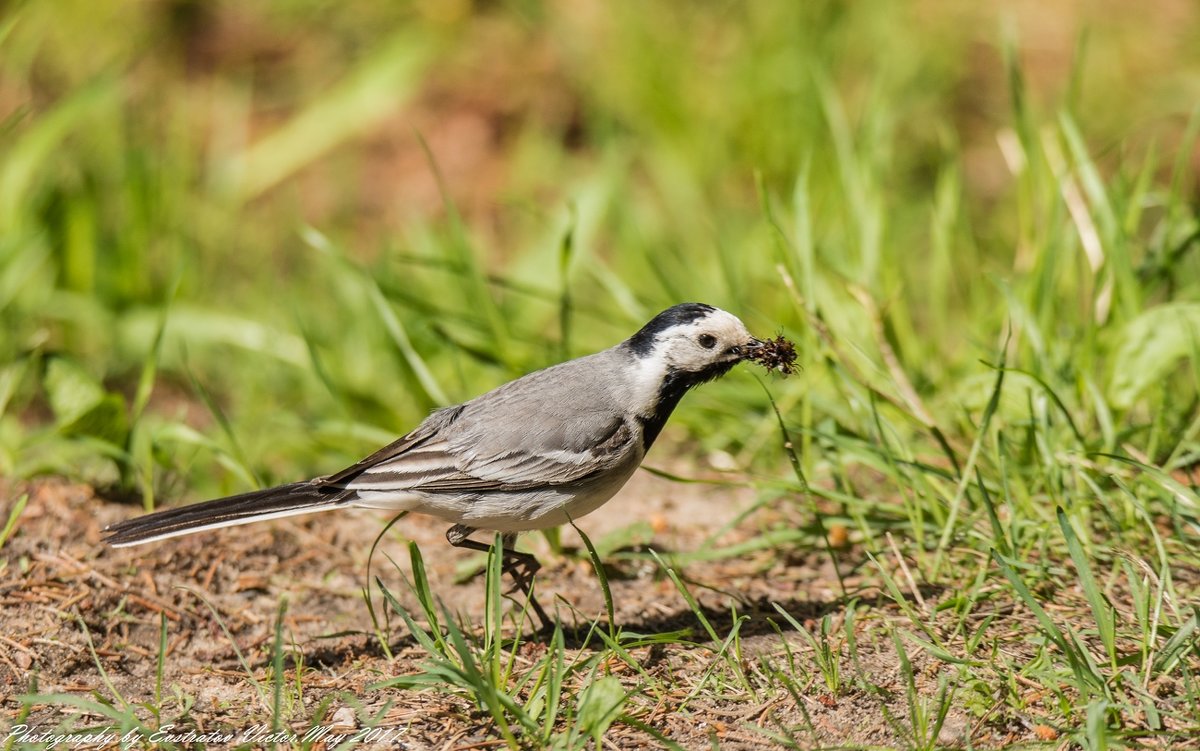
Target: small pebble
pixel 343 718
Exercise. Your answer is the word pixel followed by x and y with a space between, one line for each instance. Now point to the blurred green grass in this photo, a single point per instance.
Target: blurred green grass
pixel 250 243
pixel 262 174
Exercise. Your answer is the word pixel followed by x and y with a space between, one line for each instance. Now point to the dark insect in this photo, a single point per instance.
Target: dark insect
pixel 776 354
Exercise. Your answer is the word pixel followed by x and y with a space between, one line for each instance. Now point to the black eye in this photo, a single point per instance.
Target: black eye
pixel 708 341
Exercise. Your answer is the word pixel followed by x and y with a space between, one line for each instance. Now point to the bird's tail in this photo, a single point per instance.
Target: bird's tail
pixel 271 503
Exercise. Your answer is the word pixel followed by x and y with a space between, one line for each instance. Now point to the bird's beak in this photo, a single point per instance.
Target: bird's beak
pixel 749 348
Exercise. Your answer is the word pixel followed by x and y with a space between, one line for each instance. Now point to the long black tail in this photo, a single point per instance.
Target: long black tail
pixel 284 500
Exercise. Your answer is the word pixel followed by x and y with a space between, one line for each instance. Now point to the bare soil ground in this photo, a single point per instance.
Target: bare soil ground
pixel 60 579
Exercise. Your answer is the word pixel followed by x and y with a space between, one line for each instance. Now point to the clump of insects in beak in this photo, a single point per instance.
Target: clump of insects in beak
pixel 775 354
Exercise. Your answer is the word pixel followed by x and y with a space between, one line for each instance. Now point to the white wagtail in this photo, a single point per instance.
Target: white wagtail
pixel 534 453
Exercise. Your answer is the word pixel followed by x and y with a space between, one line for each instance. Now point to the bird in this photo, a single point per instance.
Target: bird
pixel 537 452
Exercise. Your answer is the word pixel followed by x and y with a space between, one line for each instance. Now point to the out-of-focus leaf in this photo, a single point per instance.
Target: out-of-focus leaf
pixel 599 705
pixel 196 327
pixel 107 420
pixel 1149 346
pixel 81 405
pixel 638 533
pixel 72 391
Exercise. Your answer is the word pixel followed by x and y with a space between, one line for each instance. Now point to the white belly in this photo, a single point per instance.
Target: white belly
pixel 515 511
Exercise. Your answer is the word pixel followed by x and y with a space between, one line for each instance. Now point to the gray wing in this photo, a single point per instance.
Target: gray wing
pixel 426 430
pixel 552 427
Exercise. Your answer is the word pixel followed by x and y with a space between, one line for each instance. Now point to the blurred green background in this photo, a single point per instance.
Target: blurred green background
pixel 247 242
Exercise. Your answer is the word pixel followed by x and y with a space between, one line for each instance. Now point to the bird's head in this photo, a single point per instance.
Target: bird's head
pixel 695 341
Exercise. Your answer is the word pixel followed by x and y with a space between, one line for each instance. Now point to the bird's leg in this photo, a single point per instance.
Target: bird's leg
pixel 520 566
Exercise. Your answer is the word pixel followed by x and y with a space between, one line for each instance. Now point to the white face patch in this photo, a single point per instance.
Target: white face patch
pixel 704 342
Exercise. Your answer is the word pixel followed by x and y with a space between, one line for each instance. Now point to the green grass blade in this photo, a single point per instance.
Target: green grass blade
pixel 1102 610
pixel 602 576
pixel 367 95
pixel 277 668
pixel 14 516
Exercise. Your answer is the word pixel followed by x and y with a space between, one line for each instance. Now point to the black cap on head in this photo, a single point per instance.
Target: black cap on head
pixel 642 343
